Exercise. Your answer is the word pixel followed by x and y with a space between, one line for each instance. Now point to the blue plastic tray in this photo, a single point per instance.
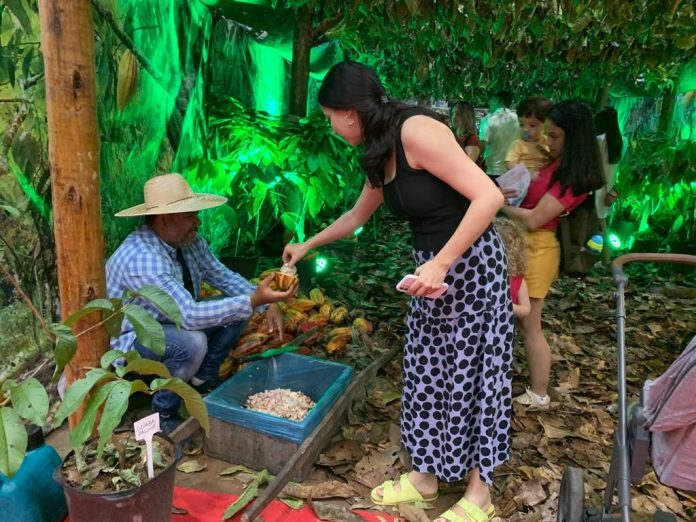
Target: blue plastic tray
pixel 321 380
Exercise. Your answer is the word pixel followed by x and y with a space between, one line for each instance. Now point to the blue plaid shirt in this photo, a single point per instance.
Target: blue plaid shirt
pixel 144 259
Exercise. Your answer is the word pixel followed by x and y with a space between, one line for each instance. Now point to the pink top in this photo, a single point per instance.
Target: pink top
pixel 540 186
pixel 515 284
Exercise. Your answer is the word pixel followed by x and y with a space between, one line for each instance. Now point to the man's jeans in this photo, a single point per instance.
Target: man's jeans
pixel 191 353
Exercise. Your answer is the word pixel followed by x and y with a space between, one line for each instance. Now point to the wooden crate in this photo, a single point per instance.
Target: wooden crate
pixel 258 440
pixel 256 450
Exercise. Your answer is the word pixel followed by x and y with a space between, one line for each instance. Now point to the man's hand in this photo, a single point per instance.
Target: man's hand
pixel 264 294
pixel 274 318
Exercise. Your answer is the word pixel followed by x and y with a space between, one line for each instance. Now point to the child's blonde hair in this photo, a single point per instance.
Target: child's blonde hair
pixel 513 234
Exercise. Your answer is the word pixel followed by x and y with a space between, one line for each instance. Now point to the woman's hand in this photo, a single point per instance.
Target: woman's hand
pixel 274 318
pixel 293 252
pixel 431 275
pixel 264 294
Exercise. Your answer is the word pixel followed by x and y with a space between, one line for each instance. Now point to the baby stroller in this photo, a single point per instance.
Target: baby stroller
pixel 663 424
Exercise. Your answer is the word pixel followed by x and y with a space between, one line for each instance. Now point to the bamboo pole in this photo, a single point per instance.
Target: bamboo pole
pixel 67 43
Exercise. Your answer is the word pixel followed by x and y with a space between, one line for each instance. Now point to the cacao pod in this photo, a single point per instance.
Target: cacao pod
pixel 284 281
pixel 318 319
pixel 326 309
pixel 338 316
pixel 304 305
pixel 345 331
pixel 336 344
pixel 363 325
pixel 226 368
pixel 263 275
pixel 317 296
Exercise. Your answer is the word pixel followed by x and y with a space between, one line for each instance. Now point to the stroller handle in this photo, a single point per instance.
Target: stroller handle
pixel 619 262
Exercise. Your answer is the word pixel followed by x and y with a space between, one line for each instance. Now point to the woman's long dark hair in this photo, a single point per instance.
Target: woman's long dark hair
pixel 607 122
pixel 463 118
pixel 581 164
pixel 352 85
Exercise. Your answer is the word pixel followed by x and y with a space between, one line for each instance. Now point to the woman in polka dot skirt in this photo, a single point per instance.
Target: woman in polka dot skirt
pixel 458 354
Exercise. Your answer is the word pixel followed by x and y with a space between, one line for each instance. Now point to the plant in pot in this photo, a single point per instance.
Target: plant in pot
pixel 105 477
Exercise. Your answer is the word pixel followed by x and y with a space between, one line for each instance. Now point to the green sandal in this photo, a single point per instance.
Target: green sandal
pixel 475 513
pixel 407 493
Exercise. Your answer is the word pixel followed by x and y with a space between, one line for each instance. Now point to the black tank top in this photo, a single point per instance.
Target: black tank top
pixel 433 209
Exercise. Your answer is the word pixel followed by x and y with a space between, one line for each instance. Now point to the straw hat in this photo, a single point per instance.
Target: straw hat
pixel 169 194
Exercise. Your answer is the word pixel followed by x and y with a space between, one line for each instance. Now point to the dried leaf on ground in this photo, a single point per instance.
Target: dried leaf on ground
pixel 341 452
pixel 412 513
pixel 335 513
pixel 374 469
pixel 326 489
pixel 191 466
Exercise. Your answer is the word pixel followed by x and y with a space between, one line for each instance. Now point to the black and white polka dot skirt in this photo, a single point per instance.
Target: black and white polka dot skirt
pixel 456 402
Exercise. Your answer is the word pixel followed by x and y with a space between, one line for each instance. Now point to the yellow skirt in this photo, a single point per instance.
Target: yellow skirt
pixel 543 261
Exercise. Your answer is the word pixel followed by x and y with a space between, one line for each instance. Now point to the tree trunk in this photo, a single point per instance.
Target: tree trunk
pixel 667 111
pixel 73 149
pixel 301 47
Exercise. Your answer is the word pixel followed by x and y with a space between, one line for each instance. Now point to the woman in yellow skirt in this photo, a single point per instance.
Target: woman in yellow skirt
pixel 561 186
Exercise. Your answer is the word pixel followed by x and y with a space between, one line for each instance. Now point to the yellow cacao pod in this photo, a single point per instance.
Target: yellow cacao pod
pixel 318 319
pixel 305 305
pixel 363 325
pixel 263 275
pixel 317 296
pixel 345 331
pixel 127 82
pixel 338 316
pixel 226 368
pixel 326 309
pixel 336 344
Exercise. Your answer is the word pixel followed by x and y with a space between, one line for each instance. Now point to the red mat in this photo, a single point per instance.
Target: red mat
pixel 205 506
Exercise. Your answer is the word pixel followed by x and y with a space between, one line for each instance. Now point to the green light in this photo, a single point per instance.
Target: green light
pixel 358 231
pixel 321 264
pixel 615 241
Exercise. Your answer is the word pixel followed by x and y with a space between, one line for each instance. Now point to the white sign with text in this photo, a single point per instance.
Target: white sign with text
pixel 145 428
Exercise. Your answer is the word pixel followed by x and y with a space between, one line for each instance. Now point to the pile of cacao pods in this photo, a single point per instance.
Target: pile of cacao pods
pixel 334 327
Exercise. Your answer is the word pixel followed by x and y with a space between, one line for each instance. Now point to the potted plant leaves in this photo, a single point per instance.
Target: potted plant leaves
pixel 105 477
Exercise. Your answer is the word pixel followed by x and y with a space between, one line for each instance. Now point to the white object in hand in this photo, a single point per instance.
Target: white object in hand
pixel 410 278
pixel 517 179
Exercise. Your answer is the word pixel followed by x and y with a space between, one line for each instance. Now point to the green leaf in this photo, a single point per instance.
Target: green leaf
pixel 147 330
pixel 112 355
pixel 91 307
pixel 13 441
pixel 84 429
pixel 19 11
pixel 250 493
pixel 29 400
pixel 143 366
pixel 114 408
pixel 77 392
pixel 113 322
pixel 66 346
pixel 164 302
pixel 192 399
pixel 293 503
pixel 11 211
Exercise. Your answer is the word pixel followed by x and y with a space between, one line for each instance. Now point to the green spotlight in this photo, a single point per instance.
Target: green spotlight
pixel 615 241
pixel 321 264
pixel 358 231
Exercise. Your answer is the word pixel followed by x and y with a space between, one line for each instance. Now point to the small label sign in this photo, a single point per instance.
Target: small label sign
pixel 145 428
